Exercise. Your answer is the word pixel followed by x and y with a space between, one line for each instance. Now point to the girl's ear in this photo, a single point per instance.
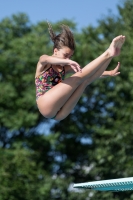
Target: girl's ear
pixel 55 51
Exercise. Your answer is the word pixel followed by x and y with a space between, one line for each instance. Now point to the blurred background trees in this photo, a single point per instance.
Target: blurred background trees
pixel 41 158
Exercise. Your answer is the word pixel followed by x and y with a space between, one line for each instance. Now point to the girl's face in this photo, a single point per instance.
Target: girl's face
pixel 64 52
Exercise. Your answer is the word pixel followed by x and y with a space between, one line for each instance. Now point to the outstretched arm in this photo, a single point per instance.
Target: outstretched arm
pixel 114 72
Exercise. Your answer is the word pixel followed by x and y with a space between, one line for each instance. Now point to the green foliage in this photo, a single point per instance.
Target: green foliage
pixel 21 176
pixel 93 143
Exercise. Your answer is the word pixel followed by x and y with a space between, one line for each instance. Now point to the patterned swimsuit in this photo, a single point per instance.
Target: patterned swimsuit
pixel 48 79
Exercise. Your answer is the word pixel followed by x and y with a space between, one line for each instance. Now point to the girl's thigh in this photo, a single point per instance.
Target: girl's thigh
pixel 54 99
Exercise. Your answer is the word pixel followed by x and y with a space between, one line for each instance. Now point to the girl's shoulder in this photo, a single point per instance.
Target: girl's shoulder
pixel 41 68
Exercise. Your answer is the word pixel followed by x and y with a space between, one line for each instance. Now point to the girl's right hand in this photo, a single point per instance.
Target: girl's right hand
pixel 75 66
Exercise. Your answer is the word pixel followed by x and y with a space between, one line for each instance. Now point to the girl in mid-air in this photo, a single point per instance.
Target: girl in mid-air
pixel 57 96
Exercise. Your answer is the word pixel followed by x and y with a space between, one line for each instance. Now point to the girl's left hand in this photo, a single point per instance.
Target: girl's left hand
pixel 115 71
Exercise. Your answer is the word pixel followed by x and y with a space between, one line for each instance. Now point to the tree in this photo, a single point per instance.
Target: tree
pixel 93 143
pixel 105 111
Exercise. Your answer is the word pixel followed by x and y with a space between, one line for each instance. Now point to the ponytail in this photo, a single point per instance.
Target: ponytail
pixel 65 38
pixel 51 32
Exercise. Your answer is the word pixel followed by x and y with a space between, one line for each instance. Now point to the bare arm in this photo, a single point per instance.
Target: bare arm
pixel 113 72
pixel 45 60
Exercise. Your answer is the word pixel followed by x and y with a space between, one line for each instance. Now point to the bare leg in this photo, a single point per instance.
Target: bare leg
pixel 72 101
pixel 52 101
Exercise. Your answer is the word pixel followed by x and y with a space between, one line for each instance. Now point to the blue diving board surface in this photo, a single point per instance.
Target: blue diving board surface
pixel 116 185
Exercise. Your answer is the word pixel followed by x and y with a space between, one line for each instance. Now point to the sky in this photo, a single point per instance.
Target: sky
pixel 83 12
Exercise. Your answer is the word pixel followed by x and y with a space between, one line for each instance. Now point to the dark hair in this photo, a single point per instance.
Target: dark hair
pixel 65 38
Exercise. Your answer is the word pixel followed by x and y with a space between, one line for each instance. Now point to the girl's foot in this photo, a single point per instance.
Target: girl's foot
pixel 116 45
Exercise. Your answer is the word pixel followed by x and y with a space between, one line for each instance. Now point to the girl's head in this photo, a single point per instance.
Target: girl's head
pixel 63 41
